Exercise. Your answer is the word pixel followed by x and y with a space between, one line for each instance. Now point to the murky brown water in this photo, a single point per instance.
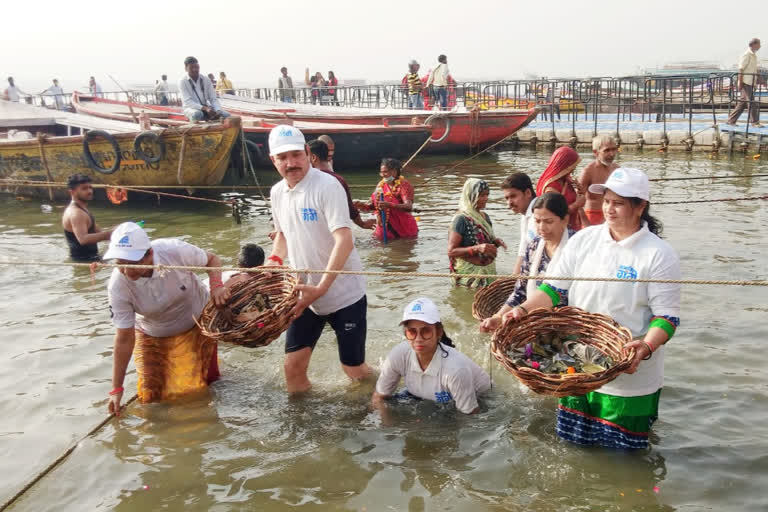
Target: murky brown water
pixel 246 446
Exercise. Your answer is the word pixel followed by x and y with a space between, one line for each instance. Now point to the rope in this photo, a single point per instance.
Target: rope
pixel 416 153
pixel 33 183
pixel 182 151
pixel 725 199
pixel 247 154
pixel 234 188
pixel 274 270
pixel 40 140
pixel 61 458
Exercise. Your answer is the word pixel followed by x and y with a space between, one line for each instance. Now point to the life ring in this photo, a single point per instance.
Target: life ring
pixel 155 139
pixel 93 134
pixel 428 122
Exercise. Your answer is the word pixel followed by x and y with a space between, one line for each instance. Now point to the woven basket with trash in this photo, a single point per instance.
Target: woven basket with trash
pixel 257 312
pixel 563 352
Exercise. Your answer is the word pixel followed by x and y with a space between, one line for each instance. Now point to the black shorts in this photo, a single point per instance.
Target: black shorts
pixel 350 326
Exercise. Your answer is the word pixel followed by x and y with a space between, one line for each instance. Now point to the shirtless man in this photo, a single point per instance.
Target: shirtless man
pixel 604 147
pixel 80 228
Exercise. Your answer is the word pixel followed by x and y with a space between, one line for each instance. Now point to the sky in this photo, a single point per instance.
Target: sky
pixel 137 41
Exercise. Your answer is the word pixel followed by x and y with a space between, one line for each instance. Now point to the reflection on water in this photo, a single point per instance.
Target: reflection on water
pixel 245 445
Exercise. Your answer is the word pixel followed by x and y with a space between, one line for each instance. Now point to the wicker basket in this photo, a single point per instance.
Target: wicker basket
pixel 600 331
pixel 262 328
pixel 488 300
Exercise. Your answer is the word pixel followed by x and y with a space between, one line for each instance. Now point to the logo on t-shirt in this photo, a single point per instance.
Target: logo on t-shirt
pixel 626 272
pixel 309 215
pixel 443 397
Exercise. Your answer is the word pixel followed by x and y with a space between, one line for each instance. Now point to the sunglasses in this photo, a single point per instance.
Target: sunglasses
pixel 427 333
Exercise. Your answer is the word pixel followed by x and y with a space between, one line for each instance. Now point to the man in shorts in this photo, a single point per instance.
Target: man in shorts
pixel 314 231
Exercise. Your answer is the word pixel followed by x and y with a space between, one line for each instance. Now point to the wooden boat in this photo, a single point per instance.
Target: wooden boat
pixel 58 150
pixel 357 146
pixel 454 132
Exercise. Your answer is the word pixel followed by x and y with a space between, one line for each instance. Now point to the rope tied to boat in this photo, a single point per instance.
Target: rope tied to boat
pixel 371 273
pixel 41 138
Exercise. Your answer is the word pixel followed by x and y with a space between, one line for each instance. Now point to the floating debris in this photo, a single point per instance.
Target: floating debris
pixel 556 354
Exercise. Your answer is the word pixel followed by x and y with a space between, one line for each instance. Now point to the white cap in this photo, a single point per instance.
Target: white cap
pixel 626 182
pixel 285 138
pixel 421 309
pixel 128 242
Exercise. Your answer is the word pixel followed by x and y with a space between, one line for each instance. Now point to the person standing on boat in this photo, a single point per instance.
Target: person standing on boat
pixel 746 86
pixel 605 150
pixel 161 90
pixel 429 364
pixel 626 246
pixel 438 78
pixel 314 231
pixel 154 311
pixel 472 246
pixel 415 86
pixel 318 158
pixel 224 86
pixel 12 92
pixel 520 195
pixel 57 92
pixel 95 88
pixel 333 83
pixel 198 97
pixel 80 228
pixel 285 86
pixel 393 200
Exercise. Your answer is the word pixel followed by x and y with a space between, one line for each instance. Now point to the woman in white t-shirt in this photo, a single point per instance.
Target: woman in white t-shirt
pixel 431 368
pixel 627 246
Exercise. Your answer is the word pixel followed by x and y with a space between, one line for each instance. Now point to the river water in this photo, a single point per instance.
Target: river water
pixel 245 445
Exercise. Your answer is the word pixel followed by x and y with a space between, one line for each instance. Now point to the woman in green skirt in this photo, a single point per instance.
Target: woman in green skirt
pixel 627 246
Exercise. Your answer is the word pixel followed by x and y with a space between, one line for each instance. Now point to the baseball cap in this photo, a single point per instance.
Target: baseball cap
pixel 421 309
pixel 626 182
pixel 285 138
pixel 128 242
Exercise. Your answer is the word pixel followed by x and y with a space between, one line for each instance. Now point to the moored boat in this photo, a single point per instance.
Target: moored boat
pixel 453 131
pixel 108 151
pixel 357 146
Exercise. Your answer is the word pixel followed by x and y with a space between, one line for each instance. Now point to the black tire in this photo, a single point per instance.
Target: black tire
pixel 93 134
pixel 154 138
pixel 257 157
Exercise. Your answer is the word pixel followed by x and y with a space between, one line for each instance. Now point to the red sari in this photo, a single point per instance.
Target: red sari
pixel 557 178
pixel 400 224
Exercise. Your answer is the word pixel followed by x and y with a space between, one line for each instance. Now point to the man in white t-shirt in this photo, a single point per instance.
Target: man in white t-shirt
pixel 198 97
pixel 159 308
pixel 520 196
pixel 95 88
pixel 57 92
pixel 314 231
pixel 13 93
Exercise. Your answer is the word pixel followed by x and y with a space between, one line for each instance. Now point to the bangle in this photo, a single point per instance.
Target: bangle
pixel 650 347
pixel 523 308
pixel 471 251
pixel 116 391
pixel 217 285
pixel 276 258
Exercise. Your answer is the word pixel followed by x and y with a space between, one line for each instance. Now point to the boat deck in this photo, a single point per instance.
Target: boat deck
pixel 19 115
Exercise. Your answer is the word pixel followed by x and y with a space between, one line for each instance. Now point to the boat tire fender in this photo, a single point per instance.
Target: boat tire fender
pixel 428 122
pixel 155 139
pixel 257 156
pixel 94 134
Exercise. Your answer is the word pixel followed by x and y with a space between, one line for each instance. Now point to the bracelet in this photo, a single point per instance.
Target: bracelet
pixel 471 251
pixel 276 259
pixel 116 391
pixel 650 347
pixel 523 308
pixel 217 285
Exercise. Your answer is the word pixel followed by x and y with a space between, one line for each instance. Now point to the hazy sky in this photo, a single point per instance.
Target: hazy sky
pixel 138 40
